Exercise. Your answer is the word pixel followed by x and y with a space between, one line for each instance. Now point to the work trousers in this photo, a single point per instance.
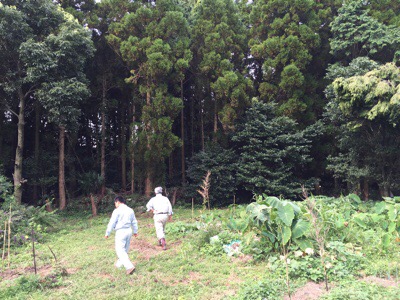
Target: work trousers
pixel 122 243
pixel 159 223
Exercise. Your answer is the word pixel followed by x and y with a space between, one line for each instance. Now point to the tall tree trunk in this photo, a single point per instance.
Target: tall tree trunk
pixel 133 136
pixel 123 149
pixel 61 169
pixel 171 166
pixel 384 190
pixel 37 143
pixel 148 184
pixel 192 125
pixel 365 190
pixel 183 139
pixel 202 127
pixel 20 149
pixel 103 138
pixel 215 127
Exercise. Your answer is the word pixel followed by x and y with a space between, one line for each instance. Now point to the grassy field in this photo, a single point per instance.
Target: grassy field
pixel 85 268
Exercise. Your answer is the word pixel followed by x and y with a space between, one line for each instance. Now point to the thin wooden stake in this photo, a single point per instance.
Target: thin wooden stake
pixel 33 250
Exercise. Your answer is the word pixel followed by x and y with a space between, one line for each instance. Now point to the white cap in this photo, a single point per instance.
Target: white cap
pixel 158 190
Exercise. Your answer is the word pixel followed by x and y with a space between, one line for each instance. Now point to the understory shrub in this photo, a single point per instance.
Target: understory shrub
pixel 24 219
pixel 265 289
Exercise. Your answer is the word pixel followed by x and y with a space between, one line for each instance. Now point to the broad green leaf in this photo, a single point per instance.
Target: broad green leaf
pixel 286 214
pixel 391 227
pixel 339 222
pixel 303 243
pixel 274 202
pixel 286 234
pixel 386 240
pixel 376 218
pixel 354 197
pixel 259 213
pixel 392 213
pixel 296 208
pixel 380 207
pixel 300 228
pixel 269 235
pixel 360 222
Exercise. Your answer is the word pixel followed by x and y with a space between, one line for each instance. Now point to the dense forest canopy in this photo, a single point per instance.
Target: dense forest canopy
pixel 267 95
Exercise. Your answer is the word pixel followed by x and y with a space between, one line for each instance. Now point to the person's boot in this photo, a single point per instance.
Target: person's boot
pixel 163 244
pixel 159 242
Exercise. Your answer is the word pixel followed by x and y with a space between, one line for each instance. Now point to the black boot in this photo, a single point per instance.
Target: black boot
pixel 159 242
pixel 163 244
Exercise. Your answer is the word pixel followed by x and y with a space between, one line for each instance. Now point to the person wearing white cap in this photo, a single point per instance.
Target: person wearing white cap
pixel 161 207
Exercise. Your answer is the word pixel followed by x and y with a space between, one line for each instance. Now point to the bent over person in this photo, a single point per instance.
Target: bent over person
pixel 162 210
pixel 124 222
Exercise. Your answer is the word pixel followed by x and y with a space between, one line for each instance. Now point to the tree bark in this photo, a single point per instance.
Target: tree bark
pixel 192 125
pixel 365 190
pixel 61 169
pixel 148 184
pixel 37 143
pixel 20 149
pixel 202 128
pixel 94 206
pixel 133 136
pixel 215 127
pixel 171 166
pixel 123 149
pixel 103 138
pixel 183 139
pixel 384 190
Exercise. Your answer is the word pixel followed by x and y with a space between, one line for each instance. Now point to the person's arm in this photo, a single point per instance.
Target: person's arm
pixel 150 206
pixel 111 223
pixel 134 224
pixel 170 212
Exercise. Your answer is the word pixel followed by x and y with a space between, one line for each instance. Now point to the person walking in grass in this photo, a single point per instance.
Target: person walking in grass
pixel 161 207
pixel 124 222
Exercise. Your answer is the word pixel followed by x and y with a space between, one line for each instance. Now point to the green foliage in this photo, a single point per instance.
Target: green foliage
pixel 355 34
pixel 154 43
pixel 284 36
pixel 219 45
pixel 266 289
pixel 179 228
pixel 374 227
pixel 279 221
pixel 369 107
pixel 24 219
pixel 271 150
pixel 356 289
pixel 223 167
pixel 90 182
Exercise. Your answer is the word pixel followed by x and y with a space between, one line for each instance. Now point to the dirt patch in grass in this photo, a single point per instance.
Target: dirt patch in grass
pixel 42 271
pixel 189 279
pixel 381 281
pixel 147 250
pixel 310 291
